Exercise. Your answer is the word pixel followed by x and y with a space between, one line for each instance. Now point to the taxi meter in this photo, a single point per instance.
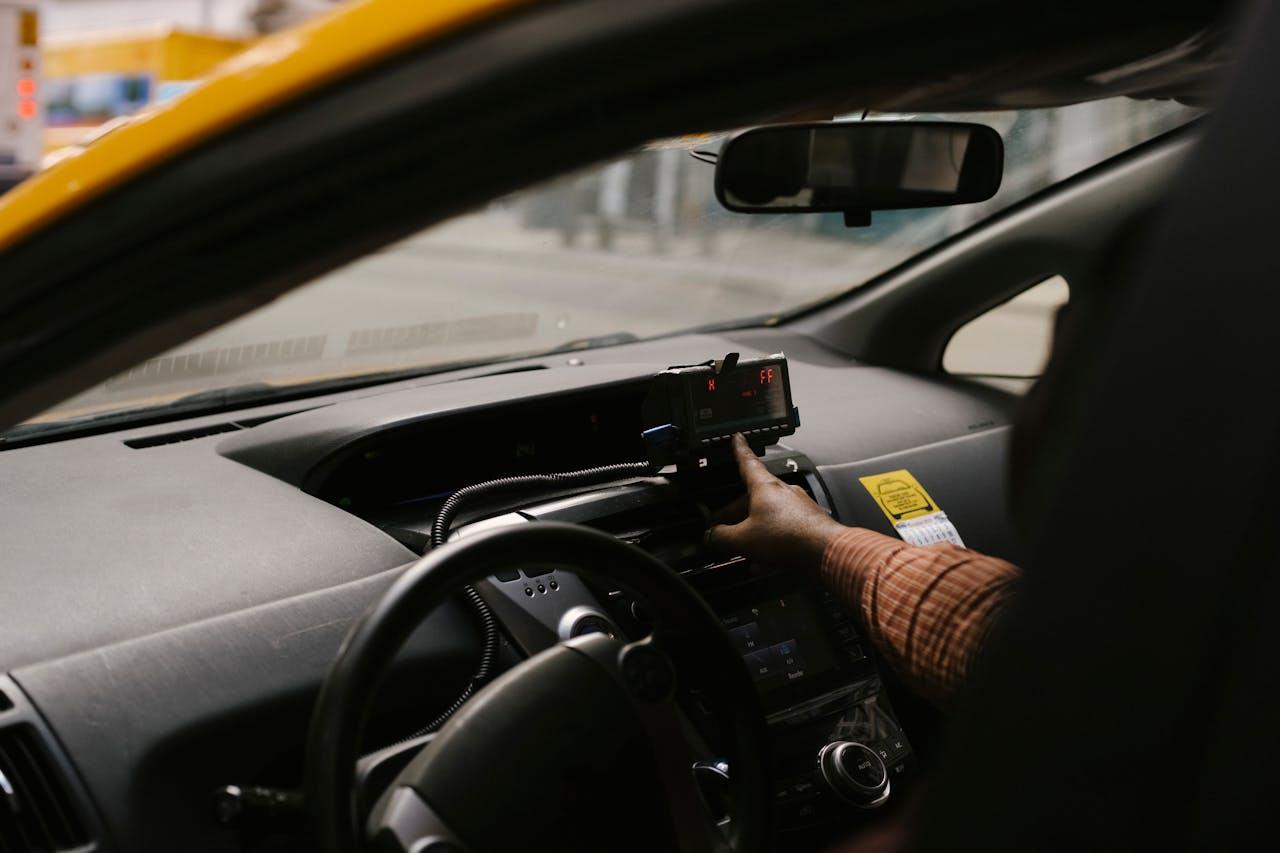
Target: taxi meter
pixel 692 411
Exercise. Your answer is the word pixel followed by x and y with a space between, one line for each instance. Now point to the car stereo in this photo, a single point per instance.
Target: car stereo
pixel 691 411
pixel 835 740
pixel 780 641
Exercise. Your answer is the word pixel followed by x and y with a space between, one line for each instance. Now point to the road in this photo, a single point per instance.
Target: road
pixel 484 286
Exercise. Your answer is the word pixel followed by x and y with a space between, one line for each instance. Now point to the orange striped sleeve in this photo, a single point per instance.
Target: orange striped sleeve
pixel 928 610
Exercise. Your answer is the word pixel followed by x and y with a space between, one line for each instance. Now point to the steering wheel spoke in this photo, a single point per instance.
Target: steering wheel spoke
pixel 406 823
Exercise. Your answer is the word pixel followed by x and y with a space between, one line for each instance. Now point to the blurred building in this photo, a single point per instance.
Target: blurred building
pixel 104 60
pixel 228 17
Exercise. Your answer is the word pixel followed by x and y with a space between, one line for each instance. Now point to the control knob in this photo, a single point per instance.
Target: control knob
pixel 855 773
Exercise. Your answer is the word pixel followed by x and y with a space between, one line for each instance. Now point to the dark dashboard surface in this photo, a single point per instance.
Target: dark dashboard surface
pixel 105 542
pixel 159 597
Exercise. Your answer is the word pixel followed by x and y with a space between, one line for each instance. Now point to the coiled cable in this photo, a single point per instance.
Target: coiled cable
pixel 484 616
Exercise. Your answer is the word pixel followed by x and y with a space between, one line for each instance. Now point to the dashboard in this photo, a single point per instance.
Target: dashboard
pixel 175 593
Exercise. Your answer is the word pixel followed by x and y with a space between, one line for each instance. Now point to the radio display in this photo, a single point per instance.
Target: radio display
pixel 751 395
pixel 781 641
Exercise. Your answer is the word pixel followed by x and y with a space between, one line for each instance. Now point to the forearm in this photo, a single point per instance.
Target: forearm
pixel 927 610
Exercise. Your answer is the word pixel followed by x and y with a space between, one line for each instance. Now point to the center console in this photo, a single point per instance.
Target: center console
pixel 836 741
pixel 837 747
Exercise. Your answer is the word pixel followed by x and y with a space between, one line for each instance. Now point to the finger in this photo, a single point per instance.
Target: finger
pixel 732 512
pixel 724 539
pixel 751 468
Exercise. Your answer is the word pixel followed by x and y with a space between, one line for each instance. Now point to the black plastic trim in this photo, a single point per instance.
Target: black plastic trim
pixel 20 712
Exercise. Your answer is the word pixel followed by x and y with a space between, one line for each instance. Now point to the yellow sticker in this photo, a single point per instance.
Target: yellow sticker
pixel 899 495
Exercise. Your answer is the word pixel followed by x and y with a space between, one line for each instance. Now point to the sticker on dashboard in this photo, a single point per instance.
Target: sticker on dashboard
pixel 910 509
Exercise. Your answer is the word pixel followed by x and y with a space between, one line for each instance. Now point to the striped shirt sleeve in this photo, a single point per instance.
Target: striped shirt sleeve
pixel 927 610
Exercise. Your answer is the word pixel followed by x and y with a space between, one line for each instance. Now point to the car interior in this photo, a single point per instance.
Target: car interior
pixel 472 608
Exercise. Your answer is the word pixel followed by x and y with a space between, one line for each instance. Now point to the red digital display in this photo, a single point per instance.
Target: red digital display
pixel 739 399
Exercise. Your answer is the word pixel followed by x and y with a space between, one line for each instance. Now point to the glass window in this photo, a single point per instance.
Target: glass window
pixel 1011 341
pixel 634 248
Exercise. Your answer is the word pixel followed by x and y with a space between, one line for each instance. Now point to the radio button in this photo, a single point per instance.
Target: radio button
pixel 893 748
pixel 806 787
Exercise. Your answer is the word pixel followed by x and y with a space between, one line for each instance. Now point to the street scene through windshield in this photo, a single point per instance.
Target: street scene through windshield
pixel 633 248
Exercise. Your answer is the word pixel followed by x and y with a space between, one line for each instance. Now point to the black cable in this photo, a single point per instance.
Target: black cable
pixel 484 616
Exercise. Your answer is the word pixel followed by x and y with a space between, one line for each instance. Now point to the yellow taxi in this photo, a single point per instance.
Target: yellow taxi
pixel 372 411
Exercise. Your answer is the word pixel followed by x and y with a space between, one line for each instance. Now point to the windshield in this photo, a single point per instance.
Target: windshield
pixel 634 248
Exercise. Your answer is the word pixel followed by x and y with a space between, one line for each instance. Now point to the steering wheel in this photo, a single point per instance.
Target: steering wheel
pixel 580 747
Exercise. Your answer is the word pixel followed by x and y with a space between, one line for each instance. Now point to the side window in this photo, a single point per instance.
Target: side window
pixel 1009 344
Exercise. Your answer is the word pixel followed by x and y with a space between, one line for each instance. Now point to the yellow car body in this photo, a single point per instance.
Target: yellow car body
pixel 275 71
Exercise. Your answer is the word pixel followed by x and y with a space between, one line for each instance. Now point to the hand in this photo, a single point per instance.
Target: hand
pixel 773 522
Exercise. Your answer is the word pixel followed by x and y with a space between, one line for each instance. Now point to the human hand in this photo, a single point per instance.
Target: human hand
pixel 773 522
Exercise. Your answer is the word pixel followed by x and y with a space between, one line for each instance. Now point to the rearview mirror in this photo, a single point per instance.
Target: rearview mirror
pixel 858 167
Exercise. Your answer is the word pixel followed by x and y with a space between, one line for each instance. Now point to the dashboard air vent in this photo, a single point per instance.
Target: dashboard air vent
pixel 5 703
pixel 184 435
pixel 199 432
pixel 37 814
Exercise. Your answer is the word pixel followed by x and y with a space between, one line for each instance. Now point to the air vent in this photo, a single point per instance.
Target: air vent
pixel 199 432
pixel 5 704
pixel 184 435
pixel 36 811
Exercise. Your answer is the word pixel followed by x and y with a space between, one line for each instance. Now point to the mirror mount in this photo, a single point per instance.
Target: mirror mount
pixel 857 218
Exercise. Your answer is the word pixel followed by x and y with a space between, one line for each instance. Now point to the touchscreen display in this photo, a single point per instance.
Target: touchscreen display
pixel 749 395
pixel 781 640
